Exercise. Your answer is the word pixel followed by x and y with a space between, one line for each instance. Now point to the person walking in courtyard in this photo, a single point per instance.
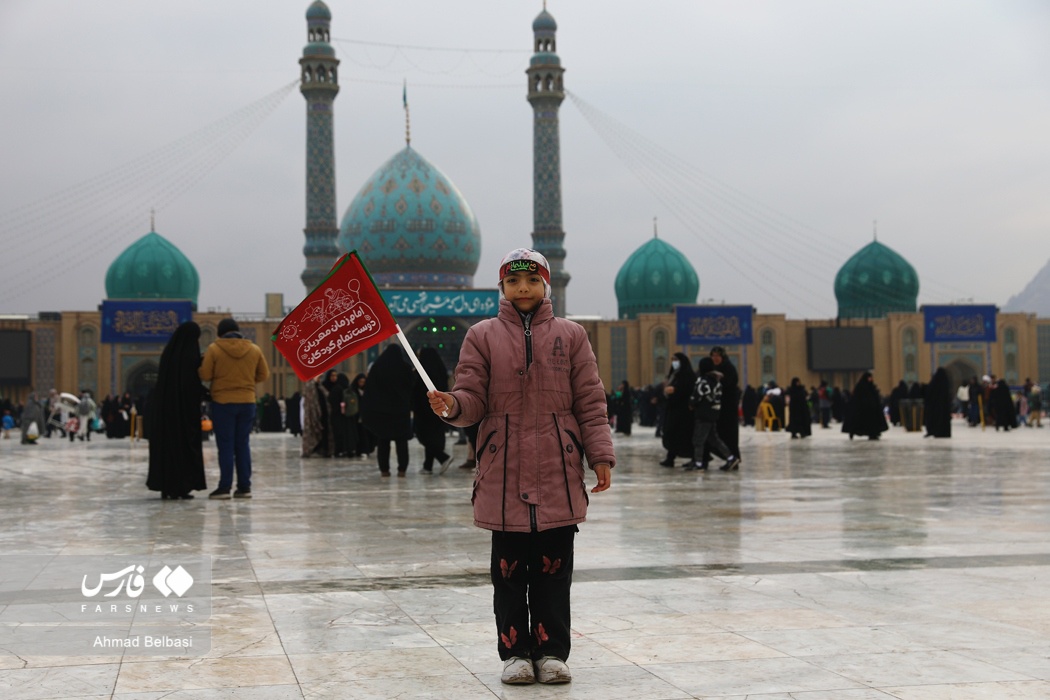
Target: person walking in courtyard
pixel 937 405
pixel 864 414
pixel 430 429
pixel 532 381
pixel 387 408
pixel 1035 407
pixel 678 419
pixel 800 422
pixel 234 365
pixel 706 402
pixel 176 460
pixel 729 421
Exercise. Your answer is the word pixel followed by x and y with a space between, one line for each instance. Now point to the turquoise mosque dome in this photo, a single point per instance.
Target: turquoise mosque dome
pixel 318 49
pixel 412 227
pixel 318 10
pixel 874 282
pixel 655 277
pixel 152 268
pixel 544 22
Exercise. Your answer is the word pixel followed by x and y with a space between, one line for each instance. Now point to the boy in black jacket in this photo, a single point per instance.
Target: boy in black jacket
pixel 706 402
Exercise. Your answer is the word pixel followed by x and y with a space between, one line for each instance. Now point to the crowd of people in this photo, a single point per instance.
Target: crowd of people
pixel 671 408
pixel 77 417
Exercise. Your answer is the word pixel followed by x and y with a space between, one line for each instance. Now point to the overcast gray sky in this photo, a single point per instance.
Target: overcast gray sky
pixel 765 135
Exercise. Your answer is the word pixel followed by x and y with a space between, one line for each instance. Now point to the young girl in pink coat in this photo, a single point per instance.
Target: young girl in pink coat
pixel 532 381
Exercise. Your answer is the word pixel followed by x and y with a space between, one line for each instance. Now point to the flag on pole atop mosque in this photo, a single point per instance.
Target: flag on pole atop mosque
pixel 344 315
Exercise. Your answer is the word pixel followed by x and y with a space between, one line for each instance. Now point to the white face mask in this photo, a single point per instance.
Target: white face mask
pixel 675 364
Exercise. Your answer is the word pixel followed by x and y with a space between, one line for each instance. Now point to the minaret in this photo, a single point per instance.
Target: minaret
pixel 319 84
pixel 546 93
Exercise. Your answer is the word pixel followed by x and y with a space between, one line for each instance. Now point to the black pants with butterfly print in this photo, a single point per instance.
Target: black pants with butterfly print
pixel 531 576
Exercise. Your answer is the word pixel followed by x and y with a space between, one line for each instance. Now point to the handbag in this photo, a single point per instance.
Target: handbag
pixel 206 424
pixel 33 431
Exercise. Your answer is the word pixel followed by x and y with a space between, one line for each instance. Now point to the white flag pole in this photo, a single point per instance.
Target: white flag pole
pixel 415 361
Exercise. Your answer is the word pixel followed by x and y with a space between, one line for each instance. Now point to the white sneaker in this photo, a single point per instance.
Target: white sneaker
pixel 552 670
pixel 445 465
pixel 518 671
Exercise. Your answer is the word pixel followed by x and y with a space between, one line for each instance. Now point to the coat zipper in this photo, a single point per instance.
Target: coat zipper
pixel 526 321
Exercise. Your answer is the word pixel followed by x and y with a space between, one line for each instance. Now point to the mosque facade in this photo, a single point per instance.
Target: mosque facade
pixel 422 244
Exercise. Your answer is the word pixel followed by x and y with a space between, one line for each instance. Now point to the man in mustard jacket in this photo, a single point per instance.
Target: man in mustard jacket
pixel 234 365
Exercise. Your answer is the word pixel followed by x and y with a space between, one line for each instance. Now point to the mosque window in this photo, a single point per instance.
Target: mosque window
pixel 548 83
pixel 767 337
pixel 88 374
pixel 308 75
pixel 87 336
pixel 767 366
pixel 660 353
pixel 1010 336
pixel 909 364
pixel 909 337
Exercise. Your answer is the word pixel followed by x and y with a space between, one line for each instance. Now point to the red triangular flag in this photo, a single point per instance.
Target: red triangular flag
pixel 343 316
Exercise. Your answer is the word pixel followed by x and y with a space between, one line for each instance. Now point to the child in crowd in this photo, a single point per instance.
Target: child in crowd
pixel 8 425
pixel 532 381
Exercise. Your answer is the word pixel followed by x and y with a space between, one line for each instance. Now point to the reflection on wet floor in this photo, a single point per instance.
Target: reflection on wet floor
pixel 824 569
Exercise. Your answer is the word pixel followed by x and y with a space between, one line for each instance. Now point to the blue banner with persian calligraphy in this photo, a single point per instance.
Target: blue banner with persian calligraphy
pixel 713 325
pixel 959 324
pixel 143 321
pixel 441 302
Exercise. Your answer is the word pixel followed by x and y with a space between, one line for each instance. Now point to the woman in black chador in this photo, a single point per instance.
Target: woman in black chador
pixel 622 406
pixel 729 418
pixel 678 418
pixel 176 461
pixel 800 424
pixel 386 408
pixel 937 405
pixel 427 425
pixel 1002 404
pixel 864 414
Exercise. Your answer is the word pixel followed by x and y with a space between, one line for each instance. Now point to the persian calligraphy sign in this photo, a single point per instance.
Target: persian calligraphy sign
pixel 442 302
pixel 134 321
pixel 343 316
pixel 713 325
pixel 959 324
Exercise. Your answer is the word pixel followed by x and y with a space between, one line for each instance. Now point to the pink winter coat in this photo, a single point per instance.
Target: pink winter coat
pixel 542 409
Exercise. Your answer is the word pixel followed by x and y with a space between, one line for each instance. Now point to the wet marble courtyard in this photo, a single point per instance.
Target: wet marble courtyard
pixel 825 569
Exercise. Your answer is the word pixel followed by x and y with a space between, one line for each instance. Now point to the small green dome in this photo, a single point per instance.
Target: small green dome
pixel 318 10
pixel 874 282
pixel 412 226
pixel 545 58
pixel 544 22
pixel 655 278
pixel 315 48
pixel 152 268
